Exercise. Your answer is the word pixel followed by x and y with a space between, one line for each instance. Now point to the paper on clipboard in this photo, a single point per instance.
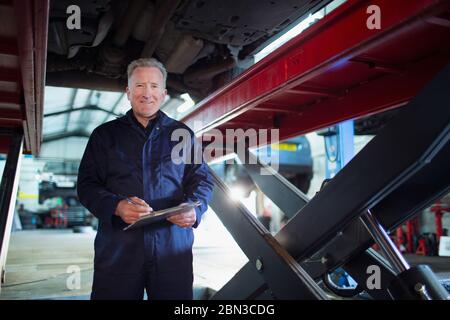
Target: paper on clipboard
pixel 160 215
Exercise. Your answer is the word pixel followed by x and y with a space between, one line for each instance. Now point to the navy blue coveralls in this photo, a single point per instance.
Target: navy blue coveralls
pixel 124 159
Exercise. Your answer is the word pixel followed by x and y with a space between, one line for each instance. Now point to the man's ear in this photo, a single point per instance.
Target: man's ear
pixel 127 90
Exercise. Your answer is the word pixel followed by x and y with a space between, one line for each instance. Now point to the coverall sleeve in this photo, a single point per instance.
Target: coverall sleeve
pixel 197 183
pixel 91 184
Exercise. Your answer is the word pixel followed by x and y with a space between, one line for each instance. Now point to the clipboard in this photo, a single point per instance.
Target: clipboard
pixel 160 215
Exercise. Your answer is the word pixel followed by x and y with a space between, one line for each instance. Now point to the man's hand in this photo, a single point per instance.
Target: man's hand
pixel 131 211
pixel 185 219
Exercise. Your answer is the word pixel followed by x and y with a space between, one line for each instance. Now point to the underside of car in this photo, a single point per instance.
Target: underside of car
pixel 203 44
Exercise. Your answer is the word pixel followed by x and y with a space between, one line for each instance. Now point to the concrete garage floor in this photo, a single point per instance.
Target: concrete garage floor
pixel 38 262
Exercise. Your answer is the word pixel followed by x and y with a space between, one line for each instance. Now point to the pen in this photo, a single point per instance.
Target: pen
pixel 129 200
pixel 132 202
pixel 137 204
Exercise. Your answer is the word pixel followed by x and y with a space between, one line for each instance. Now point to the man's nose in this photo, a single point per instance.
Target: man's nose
pixel 147 92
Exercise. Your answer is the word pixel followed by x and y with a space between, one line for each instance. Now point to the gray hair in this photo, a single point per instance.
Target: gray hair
pixel 147 62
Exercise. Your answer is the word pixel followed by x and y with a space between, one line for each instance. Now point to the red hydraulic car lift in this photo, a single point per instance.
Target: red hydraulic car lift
pixel 338 69
pixel 23 54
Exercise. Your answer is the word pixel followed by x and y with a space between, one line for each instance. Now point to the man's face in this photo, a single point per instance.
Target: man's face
pixel 146 91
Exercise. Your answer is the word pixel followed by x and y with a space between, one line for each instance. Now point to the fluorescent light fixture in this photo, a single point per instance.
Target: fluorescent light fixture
pixel 295 31
pixel 288 35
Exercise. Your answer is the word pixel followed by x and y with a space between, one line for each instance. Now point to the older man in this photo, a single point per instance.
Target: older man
pixel 126 171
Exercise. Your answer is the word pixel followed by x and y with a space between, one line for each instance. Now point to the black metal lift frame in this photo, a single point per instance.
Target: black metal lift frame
pixel 400 172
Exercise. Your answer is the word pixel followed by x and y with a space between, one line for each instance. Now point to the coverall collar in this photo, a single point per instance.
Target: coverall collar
pixel 161 118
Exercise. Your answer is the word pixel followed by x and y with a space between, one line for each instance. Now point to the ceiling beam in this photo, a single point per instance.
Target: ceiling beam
pixel 66 134
pixel 89 107
pixel 114 107
pixel 88 102
pixel 71 103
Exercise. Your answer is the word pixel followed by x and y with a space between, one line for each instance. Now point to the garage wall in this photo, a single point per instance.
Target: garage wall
pixel 28 191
